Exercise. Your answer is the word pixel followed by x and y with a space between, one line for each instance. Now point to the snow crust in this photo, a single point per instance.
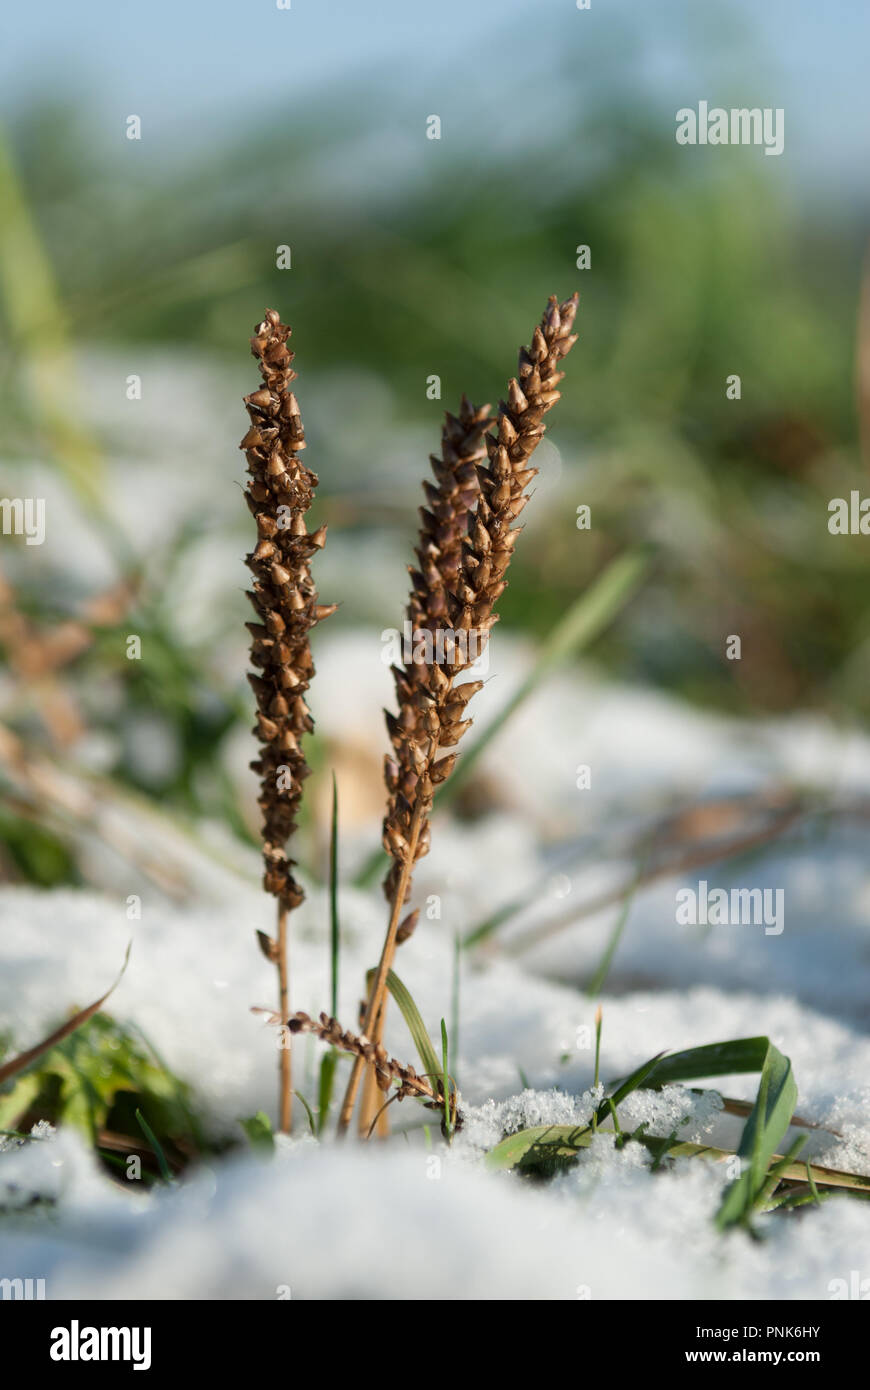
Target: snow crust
pixel 409 1220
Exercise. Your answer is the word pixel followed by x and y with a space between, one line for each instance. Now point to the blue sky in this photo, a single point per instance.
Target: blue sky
pixel 197 68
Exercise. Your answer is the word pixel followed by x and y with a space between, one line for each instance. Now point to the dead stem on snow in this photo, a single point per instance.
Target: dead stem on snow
pixel 279 493
pixel 459 602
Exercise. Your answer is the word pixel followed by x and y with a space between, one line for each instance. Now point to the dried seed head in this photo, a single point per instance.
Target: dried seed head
pixel 387 1069
pixel 467 537
pixel 283 596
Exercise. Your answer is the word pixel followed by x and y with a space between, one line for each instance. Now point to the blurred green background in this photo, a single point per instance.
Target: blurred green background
pixel 413 257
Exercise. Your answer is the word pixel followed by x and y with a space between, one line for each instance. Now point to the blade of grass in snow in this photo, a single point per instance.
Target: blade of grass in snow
pixel 177 1088
pixel 766 1125
pixel 768 1122
pixel 631 1083
pixel 734 1057
pixel 548 1142
pixel 259 1131
pixel 812 1182
pixel 416 1027
pixel 328 1067
pixel 775 1172
pixel 598 1021
pixel 307 1108
pixel 445 1082
pixel 334 932
pixel 165 1171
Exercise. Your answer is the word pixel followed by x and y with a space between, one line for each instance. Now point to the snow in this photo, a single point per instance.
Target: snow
pixel 406 1220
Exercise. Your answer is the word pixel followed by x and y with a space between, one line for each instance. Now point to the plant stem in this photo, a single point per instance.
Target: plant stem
pixel 378 992
pixel 285 1089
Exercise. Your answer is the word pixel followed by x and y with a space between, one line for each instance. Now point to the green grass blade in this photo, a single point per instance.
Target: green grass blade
pixel 307 1108
pixel 548 1142
pixel 559 1141
pixel 328 1065
pixel 774 1174
pixel 445 1082
pixel 416 1027
pixel 165 1170
pixel 637 1079
pixel 259 1131
pixel 334 931
pixel 732 1058
pixel 454 1001
pixel 529 1147
pixel 812 1182
pixel 767 1123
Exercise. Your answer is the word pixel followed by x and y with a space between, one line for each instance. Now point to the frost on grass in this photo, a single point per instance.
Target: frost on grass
pixel 672 1110
pixel 487 1124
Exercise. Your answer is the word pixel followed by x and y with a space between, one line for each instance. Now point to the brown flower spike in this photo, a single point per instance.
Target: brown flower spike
pixel 431 718
pixel 279 494
pixel 443 526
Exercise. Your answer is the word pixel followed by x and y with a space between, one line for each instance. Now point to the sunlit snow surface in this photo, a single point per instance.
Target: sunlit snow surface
pixel 405 1221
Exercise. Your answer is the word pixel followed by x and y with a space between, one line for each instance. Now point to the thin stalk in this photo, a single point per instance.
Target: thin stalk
pixel 285 1092
pixel 334 929
pixel 378 993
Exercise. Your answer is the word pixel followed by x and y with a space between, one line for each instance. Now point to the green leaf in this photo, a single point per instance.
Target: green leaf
pixel 311 1125
pixel 416 1027
pixel 765 1127
pixel 550 1143
pixel 19 1100
pixel 334 930
pixel 731 1058
pixel 447 1125
pixel 165 1171
pixel 328 1065
pixel 541 1143
pixel 638 1079
pixel 259 1131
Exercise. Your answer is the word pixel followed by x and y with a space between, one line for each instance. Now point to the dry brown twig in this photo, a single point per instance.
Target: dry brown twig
pixel 432 707
pixel 387 1069
pixel 279 494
